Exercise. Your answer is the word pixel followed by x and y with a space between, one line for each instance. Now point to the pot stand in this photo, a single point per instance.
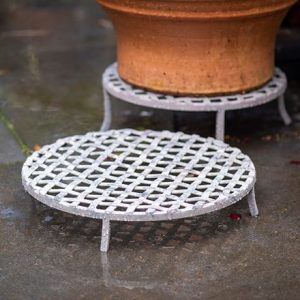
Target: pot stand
pixel 129 175
pixel 115 86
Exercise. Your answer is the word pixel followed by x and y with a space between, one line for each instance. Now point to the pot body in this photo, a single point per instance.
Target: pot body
pixel 196 47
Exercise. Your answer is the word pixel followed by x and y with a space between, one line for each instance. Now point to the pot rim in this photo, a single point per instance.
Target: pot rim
pixel 184 13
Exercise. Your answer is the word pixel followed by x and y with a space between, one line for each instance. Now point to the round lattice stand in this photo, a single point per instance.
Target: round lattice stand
pixel 130 175
pixel 115 86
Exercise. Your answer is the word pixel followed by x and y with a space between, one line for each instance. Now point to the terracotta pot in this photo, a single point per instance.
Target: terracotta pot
pixel 196 46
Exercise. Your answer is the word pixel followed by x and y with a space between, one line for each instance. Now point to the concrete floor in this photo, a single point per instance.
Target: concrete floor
pixel 51 59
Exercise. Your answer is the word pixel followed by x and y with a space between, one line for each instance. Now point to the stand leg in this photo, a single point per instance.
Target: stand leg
pixel 107 111
pixel 220 125
pixel 282 110
pixel 252 203
pixel 105 235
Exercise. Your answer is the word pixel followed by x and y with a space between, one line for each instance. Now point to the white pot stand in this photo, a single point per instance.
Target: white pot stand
pixel 129 175
pixel 115 86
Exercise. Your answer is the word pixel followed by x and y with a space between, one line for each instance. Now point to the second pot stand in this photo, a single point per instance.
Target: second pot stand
pixel 115 86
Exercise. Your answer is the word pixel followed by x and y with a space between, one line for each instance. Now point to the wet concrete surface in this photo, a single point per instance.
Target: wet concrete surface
pixel 10 151
pixel 51 59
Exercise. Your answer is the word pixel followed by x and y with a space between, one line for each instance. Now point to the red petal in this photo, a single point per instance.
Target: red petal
pixel 109 158
pixel 295 162
pixel 235 217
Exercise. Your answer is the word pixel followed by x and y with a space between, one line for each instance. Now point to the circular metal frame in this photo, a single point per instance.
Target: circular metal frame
pixel 115 86
pixel 130 175
pixel 118 88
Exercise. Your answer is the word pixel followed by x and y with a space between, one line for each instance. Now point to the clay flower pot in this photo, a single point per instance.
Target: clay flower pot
pixel 196 46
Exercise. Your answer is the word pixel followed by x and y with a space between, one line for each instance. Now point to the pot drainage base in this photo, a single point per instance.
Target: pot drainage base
pixel 115 86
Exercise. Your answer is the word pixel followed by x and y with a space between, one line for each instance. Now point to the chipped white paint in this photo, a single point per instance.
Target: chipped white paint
pixel 115 86
pixel 130 175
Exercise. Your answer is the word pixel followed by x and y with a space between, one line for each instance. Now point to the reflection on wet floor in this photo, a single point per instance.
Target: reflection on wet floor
pixel 167 234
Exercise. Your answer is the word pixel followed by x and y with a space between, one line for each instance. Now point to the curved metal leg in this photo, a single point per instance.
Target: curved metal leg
pixel 220 125
pixel 107 111
pixel 105 235
pixel 252 203
pixel 282 110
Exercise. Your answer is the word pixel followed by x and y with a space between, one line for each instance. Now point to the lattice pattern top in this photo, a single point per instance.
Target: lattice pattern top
pixel 138 175
pixel 120 89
